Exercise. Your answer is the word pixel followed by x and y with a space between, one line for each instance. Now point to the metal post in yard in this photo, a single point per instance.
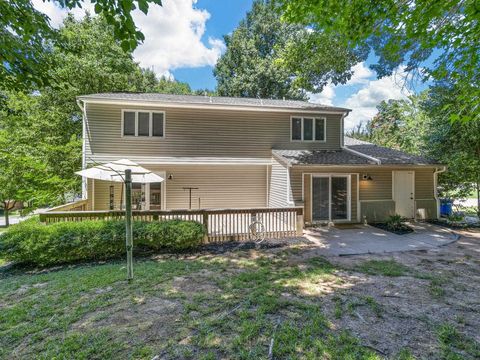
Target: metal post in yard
pixel 128 223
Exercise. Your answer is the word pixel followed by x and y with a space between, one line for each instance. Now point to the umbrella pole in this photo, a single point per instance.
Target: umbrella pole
pixel 128 223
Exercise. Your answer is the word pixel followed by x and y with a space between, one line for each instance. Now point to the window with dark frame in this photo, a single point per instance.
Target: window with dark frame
pixel 157 124
pixel 307 129
pixel 143 123
pixel 129 123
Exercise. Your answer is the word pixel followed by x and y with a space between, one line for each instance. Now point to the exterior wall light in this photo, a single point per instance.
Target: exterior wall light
pixel 367 177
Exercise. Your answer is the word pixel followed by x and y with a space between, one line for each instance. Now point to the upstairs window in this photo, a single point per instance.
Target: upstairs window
pixel 308 129
pixel 143 123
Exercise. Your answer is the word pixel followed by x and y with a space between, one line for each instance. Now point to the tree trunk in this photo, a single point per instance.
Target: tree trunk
pixel 7 222
pixel 478 198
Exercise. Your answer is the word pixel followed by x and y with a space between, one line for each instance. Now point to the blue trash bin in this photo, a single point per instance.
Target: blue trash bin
pixel 446 207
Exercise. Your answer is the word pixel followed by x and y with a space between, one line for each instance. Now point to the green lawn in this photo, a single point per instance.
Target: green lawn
pixel 245 305
pixel 203 308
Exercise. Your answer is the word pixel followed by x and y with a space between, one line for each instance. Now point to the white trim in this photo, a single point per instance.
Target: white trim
pixel 349 196
pixel 314 130
pixel 93 194
pixel 210 105
pixel 363 155
pixel 150 123
pixel 267 200
pixel 289 200
pixel 342 135
pixel 184 160
pixel 358 198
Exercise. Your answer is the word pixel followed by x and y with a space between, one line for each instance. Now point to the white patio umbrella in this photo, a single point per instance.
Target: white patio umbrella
pixel 125 171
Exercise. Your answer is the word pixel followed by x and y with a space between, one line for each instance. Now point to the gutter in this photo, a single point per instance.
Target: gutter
pixel 435 185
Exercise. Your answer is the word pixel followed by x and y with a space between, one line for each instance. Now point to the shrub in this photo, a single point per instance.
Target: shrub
pixel 395 222
pixel 33 242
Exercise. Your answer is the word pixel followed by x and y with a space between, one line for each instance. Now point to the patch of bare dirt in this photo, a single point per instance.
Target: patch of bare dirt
pixel 392 313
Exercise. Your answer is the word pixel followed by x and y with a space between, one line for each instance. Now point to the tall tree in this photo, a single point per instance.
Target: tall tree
pixel 400 124
pixel 26 32
pixel 268 58
pixel 46 125
pixel 412 32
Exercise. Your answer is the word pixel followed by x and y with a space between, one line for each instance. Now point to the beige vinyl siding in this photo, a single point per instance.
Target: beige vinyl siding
pixel 424 184
pixel 375 196
pixel 279 185
pixel 218 187
pixel 200 133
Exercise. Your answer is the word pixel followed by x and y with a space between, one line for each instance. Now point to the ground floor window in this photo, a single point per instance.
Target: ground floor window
pixel 331 197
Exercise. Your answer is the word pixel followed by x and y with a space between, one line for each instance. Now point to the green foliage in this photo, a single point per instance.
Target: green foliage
pixel 395 222
pixel 35 243
pixel 406 32
pixel 26 37
pixel 268 58
pixel 46 126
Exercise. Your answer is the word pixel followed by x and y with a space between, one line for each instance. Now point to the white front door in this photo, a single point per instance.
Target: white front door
pixel 404 193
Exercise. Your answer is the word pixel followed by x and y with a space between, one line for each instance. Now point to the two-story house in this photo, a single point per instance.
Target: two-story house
pixel 220 152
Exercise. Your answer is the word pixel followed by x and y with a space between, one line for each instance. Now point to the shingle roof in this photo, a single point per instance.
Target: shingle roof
pixel 386 156
pixel 210 100
pixel 321 157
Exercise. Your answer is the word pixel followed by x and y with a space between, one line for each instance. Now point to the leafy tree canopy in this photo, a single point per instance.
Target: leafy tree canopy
pixel 26 36
pixel 268 58
pixel 411 32
pixel 45 127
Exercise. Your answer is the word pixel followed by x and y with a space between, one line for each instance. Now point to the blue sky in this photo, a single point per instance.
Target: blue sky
pixel 184 39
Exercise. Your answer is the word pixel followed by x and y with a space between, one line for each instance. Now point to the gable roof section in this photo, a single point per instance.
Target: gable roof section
pixel 207 101
pixel 356 152
pixel 386 155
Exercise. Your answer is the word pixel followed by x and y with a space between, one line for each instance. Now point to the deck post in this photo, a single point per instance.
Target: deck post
pixel 205 225
pixel 299 223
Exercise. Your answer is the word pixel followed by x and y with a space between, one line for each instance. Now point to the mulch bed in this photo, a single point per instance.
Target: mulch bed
pixel 404 229
pixel 221 248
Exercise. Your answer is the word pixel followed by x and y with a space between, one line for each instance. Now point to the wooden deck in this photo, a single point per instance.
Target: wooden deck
pixel 221 224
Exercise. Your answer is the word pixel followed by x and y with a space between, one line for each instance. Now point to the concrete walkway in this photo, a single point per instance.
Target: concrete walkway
pixel 361 239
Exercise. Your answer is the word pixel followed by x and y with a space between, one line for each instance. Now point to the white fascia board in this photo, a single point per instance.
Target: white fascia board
pixel 181 160
pixel 210 106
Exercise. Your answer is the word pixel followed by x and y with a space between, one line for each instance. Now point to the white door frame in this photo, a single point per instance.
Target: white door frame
pixel 147 191
pixel 349 196
pixel 413 190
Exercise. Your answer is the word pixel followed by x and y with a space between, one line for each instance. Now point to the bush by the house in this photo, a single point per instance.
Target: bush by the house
pixel 36 243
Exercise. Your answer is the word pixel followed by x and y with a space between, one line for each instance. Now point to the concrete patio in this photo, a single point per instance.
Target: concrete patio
pixel 364 239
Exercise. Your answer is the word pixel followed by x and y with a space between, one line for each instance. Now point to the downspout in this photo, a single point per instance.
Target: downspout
pixel 435 185
pixel 84 159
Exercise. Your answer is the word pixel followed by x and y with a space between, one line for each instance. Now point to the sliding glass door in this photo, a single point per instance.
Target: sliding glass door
pixel 330 197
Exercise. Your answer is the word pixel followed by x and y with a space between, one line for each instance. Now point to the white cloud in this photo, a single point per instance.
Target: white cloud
pixel 325 97
pixel 173 34
pixel 363 103
pixel 361 75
